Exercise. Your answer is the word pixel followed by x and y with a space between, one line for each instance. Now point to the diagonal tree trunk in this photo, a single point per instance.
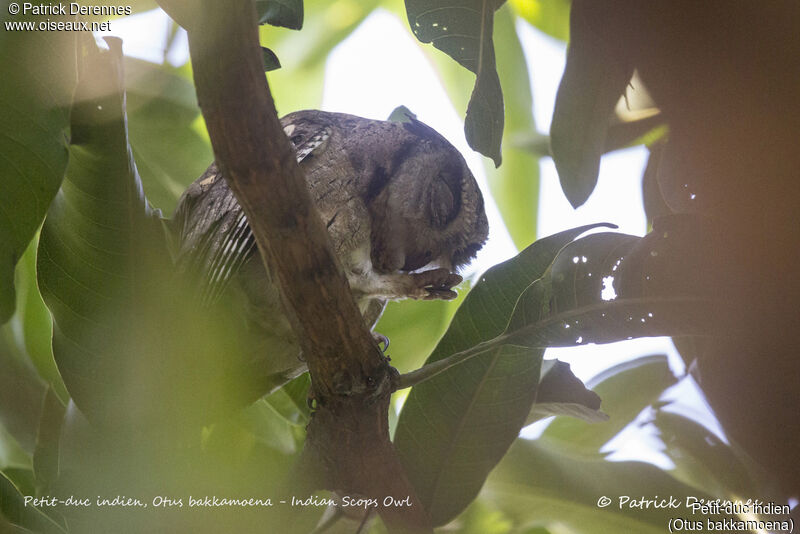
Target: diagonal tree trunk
pixel 348 447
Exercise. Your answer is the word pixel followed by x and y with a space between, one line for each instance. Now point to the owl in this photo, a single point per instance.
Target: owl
pixel 402 210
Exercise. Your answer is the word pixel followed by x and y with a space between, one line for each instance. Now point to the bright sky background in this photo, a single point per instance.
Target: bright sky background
pixel 380 67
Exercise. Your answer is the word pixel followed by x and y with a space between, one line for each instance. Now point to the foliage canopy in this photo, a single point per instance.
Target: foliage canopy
pixel 110 375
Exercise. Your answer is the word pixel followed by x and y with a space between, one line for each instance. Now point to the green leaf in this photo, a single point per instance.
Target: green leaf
pixel 463 30
pixel 271 61
pixel 132 345
pixel 286 13
pixel 482 518
pixel 46 454
pixel 575 304
pixel 626 390
pixel 667 284
pixel 562 393
pixel 539 482
pixel 14 511
pixel 549 16
pixel 595 77
pixel 456 426
pixel 269 427
pixel 38 80
pixel 291 401
pixel 21 390
pixel 483 124
pixel 33 319
pixel 401 114
pixel 701 458
pixel 91 236
pixel 12 455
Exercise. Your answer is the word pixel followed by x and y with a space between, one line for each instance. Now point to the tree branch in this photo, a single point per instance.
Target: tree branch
pixel 348 438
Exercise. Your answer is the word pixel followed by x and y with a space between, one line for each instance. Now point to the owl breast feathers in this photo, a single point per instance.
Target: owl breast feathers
pixel 401 207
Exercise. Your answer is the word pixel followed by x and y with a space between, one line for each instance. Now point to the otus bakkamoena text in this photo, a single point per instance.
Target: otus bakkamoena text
pixel 402 210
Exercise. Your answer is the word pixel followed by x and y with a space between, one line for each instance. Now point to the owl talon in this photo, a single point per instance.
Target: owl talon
pixel 380 339
pixel 440 294
pixel 436 284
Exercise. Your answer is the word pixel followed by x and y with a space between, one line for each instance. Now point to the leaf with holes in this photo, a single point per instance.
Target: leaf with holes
pixel 456 426
pixel 463 30
pixel 610 287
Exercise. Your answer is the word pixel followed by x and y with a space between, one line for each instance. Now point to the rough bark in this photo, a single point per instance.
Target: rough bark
pixel 348 447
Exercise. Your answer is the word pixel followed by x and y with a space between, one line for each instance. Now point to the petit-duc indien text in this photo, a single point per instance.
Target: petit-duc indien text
pixel 47 501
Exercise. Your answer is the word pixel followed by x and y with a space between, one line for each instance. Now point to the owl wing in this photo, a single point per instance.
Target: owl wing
pixel 213 237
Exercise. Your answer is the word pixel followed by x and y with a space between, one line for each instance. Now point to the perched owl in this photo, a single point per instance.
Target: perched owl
pixel 401 207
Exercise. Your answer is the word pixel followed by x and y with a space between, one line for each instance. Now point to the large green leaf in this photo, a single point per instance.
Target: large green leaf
pixel 463 30
pixel 567 302
pixel 14 511
pixel 610 287
pixel 594 79
pixel 456 426
pixel 131 342
pixel 38 79
pixel 538 483
pixel 515 184
pixel 21 390
pixel 91 238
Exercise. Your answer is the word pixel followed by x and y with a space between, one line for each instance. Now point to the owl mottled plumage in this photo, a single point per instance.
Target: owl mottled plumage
pixel 401 207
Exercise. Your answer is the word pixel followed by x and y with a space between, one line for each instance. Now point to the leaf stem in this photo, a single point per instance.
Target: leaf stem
pixel 432 369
